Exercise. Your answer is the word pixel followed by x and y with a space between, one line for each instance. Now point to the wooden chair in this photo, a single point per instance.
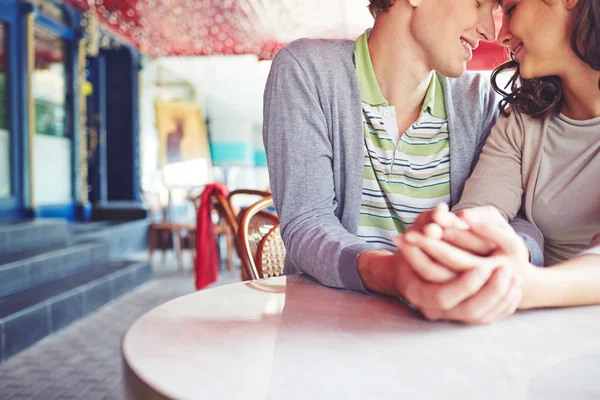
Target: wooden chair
pixel 226 226
pixel 229 218
pixel 238 194
pixel 161 231
pixel 260 245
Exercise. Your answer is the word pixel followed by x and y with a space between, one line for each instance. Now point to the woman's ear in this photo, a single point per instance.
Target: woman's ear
pixel 570 4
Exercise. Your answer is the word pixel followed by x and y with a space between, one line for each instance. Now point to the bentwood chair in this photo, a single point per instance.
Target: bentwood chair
pixel 244 197
pixel 229 218
pixel 226 226
pixel 260 245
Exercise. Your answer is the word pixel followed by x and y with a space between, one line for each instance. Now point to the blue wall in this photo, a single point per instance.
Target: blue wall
pixel 12 17
pixel 115 163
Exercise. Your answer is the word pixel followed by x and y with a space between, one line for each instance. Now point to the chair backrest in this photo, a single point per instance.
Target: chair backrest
pixel 261 247
pixel 225 207
pixel 241 198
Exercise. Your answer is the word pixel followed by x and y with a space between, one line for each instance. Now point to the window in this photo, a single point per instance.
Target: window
pixel 52 144
pixel 5 189
pixel 50 82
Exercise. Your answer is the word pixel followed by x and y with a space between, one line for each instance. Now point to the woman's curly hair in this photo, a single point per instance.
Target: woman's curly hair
pixel 376 6
pixel 543 97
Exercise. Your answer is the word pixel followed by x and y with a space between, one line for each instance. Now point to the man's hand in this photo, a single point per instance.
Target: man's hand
pixel 479 295
pixel 455 272
pixel 471 290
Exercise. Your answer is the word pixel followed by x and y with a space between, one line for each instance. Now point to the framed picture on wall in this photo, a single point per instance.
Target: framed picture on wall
pixel 182 132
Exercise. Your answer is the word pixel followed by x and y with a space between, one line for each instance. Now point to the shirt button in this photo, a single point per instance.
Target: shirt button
pixel 387 113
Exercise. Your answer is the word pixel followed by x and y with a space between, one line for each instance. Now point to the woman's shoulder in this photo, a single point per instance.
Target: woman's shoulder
pixel 520 121
pixel 521 129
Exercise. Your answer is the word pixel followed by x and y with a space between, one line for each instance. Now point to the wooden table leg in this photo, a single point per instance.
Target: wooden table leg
pixel 230 245
pixel 152 245
pixel 177 244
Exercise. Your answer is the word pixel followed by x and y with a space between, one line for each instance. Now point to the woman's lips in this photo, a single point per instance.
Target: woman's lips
pixel 517 49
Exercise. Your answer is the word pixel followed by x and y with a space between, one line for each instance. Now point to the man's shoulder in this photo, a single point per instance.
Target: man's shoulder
pixel 472 93
pixel 317 48
pixel 317 53
pixel 470 80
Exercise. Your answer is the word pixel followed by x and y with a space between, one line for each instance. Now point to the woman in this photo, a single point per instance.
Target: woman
pixel 542 157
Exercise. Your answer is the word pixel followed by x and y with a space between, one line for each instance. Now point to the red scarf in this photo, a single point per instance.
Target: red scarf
pixel 207 250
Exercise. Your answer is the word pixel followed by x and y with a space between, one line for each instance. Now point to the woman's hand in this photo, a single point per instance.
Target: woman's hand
pixel 440 223
pixel 509 252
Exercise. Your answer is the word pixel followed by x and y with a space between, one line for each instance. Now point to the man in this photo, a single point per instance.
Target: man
pixel 363 136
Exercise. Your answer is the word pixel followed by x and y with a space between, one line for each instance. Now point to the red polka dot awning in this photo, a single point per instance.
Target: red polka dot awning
pixel 260 27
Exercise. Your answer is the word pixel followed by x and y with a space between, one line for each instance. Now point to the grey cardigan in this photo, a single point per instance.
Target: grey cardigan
pixel 313 136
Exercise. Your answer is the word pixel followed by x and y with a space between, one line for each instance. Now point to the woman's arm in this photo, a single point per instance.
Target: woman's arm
pixel 572 283
pixel 496 180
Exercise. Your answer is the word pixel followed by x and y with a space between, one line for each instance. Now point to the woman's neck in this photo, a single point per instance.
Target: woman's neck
pixel 581 92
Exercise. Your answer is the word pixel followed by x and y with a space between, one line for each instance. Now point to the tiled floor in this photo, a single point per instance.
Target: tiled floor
pixel 84 361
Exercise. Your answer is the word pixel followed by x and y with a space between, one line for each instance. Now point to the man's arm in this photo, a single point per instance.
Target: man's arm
pixel 299 154
pixel 378 273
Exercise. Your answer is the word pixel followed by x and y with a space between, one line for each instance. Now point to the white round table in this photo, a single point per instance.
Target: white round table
pixel 291 338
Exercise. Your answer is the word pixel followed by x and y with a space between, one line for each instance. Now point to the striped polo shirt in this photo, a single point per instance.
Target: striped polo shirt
pixel 403 174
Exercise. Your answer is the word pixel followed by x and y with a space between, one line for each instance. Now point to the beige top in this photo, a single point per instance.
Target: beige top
pixel 548 168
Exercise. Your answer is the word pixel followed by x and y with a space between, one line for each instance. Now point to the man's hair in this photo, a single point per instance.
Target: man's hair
pixel 543 97
pixel 377 6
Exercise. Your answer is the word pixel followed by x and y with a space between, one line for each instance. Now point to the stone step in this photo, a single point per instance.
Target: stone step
pixel 124 237
pixel 33 267
pixel 17 236
pixel 29 315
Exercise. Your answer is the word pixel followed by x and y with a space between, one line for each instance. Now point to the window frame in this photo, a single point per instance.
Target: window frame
pixel 11 204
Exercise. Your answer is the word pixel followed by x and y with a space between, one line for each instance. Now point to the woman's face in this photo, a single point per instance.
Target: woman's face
pixel 538 32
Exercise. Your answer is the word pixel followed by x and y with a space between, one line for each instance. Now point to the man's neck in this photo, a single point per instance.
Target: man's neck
pixel 403 78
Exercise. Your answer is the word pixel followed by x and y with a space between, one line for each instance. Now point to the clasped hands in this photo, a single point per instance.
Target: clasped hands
pixel 469 267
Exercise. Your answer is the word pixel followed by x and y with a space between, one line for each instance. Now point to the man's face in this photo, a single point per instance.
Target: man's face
pixel 449 30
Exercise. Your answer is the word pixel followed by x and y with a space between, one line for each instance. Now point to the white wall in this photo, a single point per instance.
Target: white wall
pixel 225 85
pixel 4 163
pixel 228 88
